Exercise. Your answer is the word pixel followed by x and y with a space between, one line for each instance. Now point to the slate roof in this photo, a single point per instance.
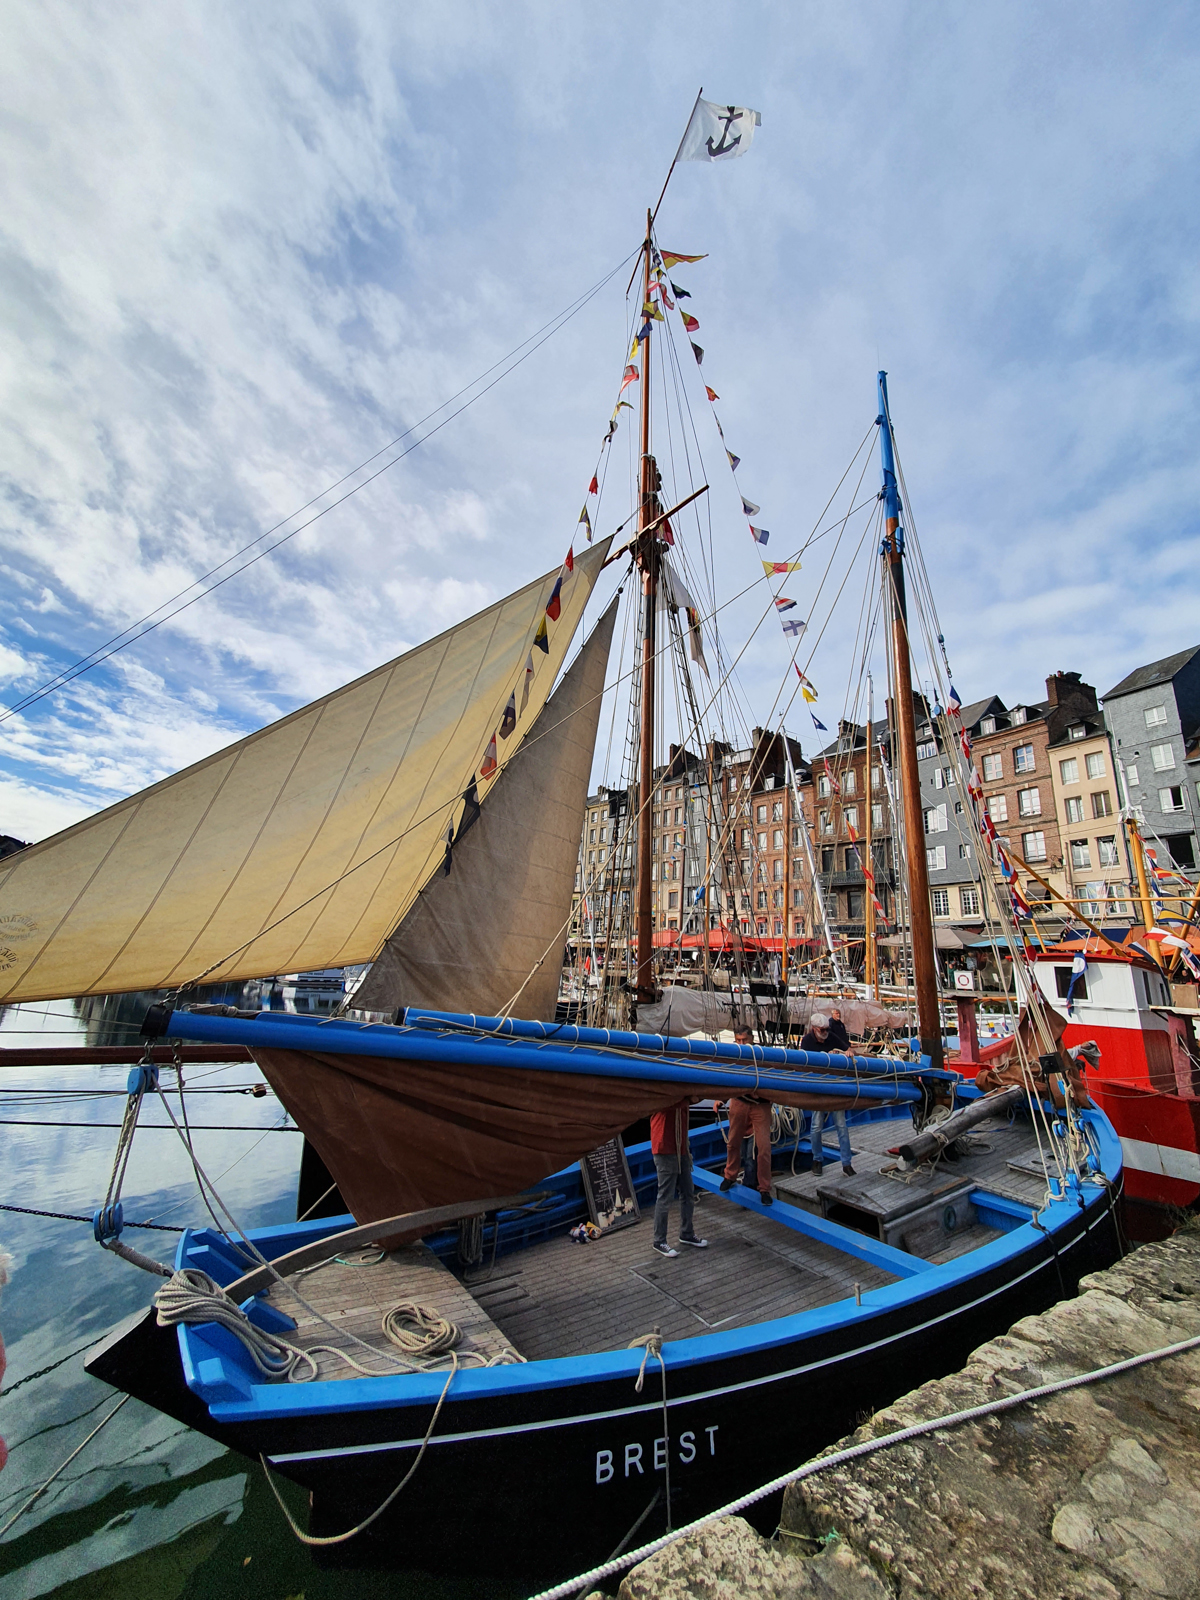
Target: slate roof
pixel 1155 672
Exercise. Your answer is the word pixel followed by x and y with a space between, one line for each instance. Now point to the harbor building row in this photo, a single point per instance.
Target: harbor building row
pixel 767 841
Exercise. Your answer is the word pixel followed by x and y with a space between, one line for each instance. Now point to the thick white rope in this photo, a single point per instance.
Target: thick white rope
pixel 954 1419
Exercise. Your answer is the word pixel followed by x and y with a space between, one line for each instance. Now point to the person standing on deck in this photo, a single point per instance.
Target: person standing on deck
pixel 819 1038
pixel 839 1039
pixel 749 1113
pixel 673 1163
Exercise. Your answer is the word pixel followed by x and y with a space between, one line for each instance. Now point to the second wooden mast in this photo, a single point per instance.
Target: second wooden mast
pixel 647 550
pixel 925 975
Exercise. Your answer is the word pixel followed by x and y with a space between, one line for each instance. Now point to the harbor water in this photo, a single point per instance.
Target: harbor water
pixel 149 1508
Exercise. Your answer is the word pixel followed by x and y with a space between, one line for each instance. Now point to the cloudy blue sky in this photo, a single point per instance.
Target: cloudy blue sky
pixel 243 247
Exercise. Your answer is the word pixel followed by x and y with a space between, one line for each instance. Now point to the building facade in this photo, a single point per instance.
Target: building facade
pixel 1154 718
pixel 1087 805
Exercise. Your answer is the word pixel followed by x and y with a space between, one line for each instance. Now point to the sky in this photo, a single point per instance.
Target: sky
pixel 243 248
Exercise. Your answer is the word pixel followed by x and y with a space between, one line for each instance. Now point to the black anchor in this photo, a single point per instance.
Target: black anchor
pixel 723 149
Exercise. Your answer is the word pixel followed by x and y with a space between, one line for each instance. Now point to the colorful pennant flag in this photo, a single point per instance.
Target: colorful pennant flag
pixel 509 720
pixel 631 375
pixel 554 604
pixel 587 522
pixel 489 760
pixel 651 310
pixel 749 509
pixel 671 258
pixel 955 702
pixel 817 723
pixel 782 604
pixel 680 294
pixel 809 695
pixel 761 534
pixel 569 563
pixel 1078 969
pixel 711 393
pixel 528 684
pixel 541 639
pixel 773 567
pixel 689 321
pixel 697 352
pixel 734 461
pixel 594 486
pixel 794 627
pixel 644 331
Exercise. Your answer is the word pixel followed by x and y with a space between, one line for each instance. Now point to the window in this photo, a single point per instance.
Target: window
pixel 850 813
pixel 1077 732
pixel 1155 716
pixel 964 852
pixel 760 927
pixel 798 898
pixel 1029 802
pixel 1081 856
pixel 988 725
pixel 673 900
pixel 745 838
pixel 1062 981
pixel 941 902
pixel 1023 758
pixel 1033 846
pixel 1171 800
pixel 777 839
pixel 877 777
pixel 993 768
pixel 1131 776
pixel 760 900
pixel 935 859
pixel 592 836
pixel 926 749
pixel 760 814
pixel 850 782
pixel 827 855
pixel 968 900
pixel 936 819
pixel 602 855
pixel 777 870
pixel 797 926
pixel 997 807
pixel 1162 757
pixel 762 841
pixel 877 816
pixel 591 858
pixel 1075 808
pixel 1095 764
pixel 1102 804
pixel 777 811
pixel 745 901
pixel 854 904
pixel 776 898
pixel 1069 770
pixel 958 808
pixel 797 866
pixel 939 777
pixel 826 824
pixel 823 786
pixel 1106 851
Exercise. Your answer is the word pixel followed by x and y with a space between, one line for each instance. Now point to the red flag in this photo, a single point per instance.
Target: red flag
pixel 594 486
pixel 489 760
pixel 554 604
pixel 711 393
pixel 569 563
pixel 690 322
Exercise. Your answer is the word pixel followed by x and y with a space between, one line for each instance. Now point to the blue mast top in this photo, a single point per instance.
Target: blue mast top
pixel 891 495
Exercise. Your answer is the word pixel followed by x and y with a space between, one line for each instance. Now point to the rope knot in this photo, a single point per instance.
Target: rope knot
pixel 653 1343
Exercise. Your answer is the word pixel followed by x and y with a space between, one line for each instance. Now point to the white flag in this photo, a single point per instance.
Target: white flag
pixel 794 628
pixel 718 133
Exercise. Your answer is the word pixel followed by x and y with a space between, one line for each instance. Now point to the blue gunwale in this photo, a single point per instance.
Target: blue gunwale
pixel 917 1280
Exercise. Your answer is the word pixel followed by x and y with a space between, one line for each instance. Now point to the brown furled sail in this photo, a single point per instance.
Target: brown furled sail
pixel 299 846
pixel 477 932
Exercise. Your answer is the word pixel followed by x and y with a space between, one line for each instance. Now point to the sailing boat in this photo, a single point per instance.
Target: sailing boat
pixel 425 819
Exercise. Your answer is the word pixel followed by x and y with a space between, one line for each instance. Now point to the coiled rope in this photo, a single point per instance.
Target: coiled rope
pixel 588 1580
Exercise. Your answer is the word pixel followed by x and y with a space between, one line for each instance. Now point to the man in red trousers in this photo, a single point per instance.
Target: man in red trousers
pixel 749 1113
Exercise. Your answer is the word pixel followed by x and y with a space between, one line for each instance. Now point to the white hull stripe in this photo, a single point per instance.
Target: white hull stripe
pixel 683 1400
pixel 1163 1160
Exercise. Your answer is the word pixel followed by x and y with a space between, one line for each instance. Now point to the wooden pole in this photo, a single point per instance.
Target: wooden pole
pixel 647 555
pixel 787 881
pixel 929 1019
pixel 871 961
pixel 1139 867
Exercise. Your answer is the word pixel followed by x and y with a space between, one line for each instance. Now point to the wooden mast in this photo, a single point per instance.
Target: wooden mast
pixel 870 963
pixel 920 916
pixel 647 559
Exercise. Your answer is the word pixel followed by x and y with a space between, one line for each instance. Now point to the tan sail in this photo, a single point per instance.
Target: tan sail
pixel 297 847
pixel 476 934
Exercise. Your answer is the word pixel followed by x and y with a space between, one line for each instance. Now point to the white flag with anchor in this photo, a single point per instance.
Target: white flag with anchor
pixel 718 133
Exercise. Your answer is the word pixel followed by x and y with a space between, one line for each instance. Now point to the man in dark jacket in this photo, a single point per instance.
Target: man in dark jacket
pixel 673 1164
pixel 839 1039
pixel 819 1038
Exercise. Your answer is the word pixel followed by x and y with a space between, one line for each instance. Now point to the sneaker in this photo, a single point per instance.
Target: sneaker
pixel 818 1168
pixel 696 1244
pixel 848 1169
pixel 727 1184
pixel 664 1249
pixel 767 1198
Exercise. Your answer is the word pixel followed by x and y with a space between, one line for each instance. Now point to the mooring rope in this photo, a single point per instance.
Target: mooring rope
pixel 854 1452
